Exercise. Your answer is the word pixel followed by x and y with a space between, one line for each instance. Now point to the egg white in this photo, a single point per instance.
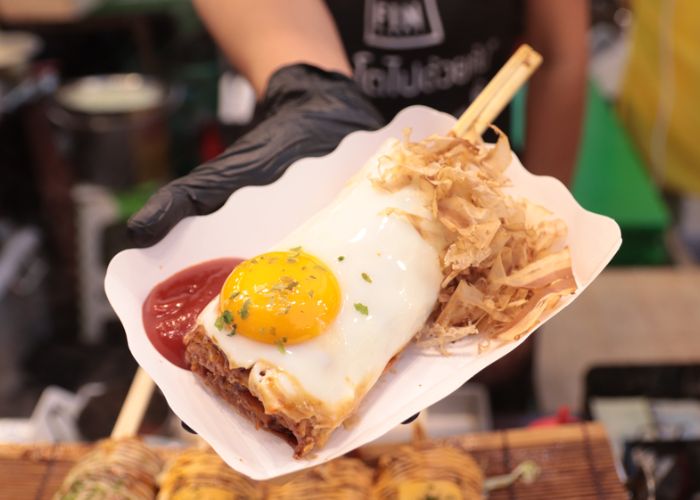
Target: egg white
pixel 337 367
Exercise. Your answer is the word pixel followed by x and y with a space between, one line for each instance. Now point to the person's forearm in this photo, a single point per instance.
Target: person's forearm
pixel 260 36
pixel 556 94
pixel 554 122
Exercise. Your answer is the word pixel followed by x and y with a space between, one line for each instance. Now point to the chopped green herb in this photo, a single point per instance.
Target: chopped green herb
pixel 341 258
pixel 233 295
pixel 233 331
pixel 280 347
pixel 311 293
pixel 219 323
pixel 227 317
pixel 366 277
pixel 312 276
pixel 244 310
pixel 285 311
pixel 288 284
pixel 291 260
pixel 361 308
pixel 295 249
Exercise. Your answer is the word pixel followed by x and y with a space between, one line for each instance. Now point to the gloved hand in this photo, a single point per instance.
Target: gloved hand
pixel 307 111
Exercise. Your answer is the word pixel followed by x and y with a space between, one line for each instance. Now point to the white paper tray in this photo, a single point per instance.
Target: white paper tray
pixel 251 221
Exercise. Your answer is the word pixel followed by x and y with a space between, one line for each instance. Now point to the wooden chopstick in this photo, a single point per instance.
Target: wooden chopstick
pixel 498 93
pixel 134 407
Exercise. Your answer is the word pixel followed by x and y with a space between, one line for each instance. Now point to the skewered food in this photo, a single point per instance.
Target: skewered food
pixel 435 472
pixel 201 474
pixel 122 469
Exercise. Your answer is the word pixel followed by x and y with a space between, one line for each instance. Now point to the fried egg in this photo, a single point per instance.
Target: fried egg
pixel 318 317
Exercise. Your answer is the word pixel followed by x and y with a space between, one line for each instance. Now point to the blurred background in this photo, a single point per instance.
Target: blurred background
pixel 101 101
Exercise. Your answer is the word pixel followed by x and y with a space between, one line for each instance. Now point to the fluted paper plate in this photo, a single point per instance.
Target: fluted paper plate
pixel 255 218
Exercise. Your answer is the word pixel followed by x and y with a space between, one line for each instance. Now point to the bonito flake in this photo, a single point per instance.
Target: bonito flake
pixel 503 259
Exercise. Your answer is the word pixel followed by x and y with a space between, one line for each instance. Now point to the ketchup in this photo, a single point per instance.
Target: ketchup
pixel 171 309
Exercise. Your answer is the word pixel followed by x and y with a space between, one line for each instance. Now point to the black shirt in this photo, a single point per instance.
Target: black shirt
pixel 440 53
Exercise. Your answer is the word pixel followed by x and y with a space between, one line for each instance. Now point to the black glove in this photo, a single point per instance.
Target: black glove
pixel 307 111
pixel 410 419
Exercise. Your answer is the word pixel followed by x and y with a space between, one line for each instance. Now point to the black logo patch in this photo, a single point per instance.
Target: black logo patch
pixel 402 24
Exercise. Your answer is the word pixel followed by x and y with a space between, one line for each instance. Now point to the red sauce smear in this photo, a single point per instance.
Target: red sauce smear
pixel 172 307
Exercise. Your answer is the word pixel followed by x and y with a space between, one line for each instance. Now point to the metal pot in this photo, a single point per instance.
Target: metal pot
pixel 113 128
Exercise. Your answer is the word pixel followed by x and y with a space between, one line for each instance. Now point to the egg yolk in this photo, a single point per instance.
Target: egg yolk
pixel 279 298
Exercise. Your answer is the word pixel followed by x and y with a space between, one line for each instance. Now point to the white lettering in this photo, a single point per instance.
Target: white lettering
pixel 394 77
pixel 398 19
pixel 379 16
pixel 413 20
pixel 394 20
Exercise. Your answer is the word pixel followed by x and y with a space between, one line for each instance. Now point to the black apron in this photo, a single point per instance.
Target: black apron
pixel 439 53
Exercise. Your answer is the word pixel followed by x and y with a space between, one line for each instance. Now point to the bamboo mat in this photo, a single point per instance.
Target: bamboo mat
pixel 575 460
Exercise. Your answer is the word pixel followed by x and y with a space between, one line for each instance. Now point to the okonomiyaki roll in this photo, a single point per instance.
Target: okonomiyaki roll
pixel 436 472
pixel 340 479
pixel 201 474
pixel 123 469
